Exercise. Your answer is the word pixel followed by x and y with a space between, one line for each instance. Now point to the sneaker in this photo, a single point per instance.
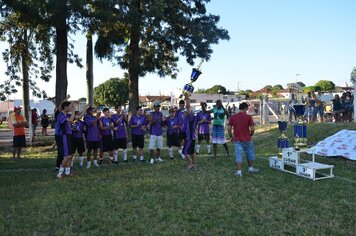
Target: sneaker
pixel 238 174
pixel 115 162
pixel 125 161
pixel 96 164
pixel 152 161
pixel 159 159
pixel 253 171
pixel 70 175
pixel 209 153
pixel 134 160
pixel 190 167
pixel 59 177
pixel 172 158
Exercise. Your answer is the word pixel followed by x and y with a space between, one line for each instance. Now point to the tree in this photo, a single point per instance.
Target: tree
pixel 325 85
pixel 216 89
pixel 311 89
pixel 300 84
pixel 353 76
pixel 200 90
pixel 268 87
pixel 29 52
pixel 112 92
pixel 150 35
pixel 277 87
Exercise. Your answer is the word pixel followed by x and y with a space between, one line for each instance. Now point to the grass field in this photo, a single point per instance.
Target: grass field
pixel 165 198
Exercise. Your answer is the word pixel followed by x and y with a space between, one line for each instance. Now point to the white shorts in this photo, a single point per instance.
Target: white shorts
pixel 153 140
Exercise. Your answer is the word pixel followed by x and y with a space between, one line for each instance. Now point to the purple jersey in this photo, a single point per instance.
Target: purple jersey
pixel 105 121
pixel 93 133
pixel 62 125
pixel 156 127
pixel 203 128
pixel 119 125
pixel 78 128
pixel 182 120
pixel 191 124
pixel 140 121
pixel 170 122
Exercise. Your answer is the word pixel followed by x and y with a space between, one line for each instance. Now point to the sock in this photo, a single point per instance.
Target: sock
pixel 88 164
pixel 72 162
pixel 239 172
pixel 111 158
pixel 141 158
pixel 197 148
pixel 124 155
pixel 170 152
pixel 180 151
pixel 95 162
pixel 209 148
pixel 134 157
pixel 250 168
pixel 115 155
pixel 60 171
pixel 81 158
pixel 67 171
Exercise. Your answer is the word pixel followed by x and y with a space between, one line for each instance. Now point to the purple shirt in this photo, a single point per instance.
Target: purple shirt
pixel 156 127
pixel 120 125
pixel 62 125
pixel 93 133
pixel 140 121
pixel 203 128
pixel 170 122
pixel 105 121
pixel 191 124
pixel 182 120
pixel 78 128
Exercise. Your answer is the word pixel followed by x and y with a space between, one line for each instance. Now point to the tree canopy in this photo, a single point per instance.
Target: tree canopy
pixel 216 89
pixel 325 85
pixel 112 92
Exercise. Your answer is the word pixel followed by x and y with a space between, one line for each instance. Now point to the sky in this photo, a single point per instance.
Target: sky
pixel 272 42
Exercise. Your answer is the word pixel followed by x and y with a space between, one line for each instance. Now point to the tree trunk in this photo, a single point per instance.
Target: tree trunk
pixel 25 78
pixel 89 73
pixel 134 58
pixel 61 64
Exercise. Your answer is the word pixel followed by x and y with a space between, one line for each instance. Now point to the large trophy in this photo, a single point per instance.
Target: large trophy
pixel 188 89
pixel 300 128
pixel 283 141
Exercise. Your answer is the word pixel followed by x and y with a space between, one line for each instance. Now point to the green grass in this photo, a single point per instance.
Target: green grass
pixel 168 199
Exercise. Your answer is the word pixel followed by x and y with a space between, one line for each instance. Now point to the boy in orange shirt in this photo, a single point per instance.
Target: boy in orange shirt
pixel 19 139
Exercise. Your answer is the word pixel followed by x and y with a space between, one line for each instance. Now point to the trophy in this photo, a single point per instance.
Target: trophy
pixel 283 141
pixel 300 128
pixel 188 89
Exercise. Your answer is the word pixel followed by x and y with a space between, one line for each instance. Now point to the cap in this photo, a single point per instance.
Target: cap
pixel 17 108
pixel 156 104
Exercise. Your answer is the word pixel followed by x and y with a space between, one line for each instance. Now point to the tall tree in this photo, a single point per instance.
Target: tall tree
pixel 151 34
pixel 325 85
pixel 112 92
pixel 216 89
pixel 29 52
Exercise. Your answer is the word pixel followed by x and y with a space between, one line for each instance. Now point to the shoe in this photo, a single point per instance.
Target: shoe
pixel 152 161
pixel 253 171
pixel 70 175
pixel 134 160
pixel 172 158
pixel 96 164
pixel 115 162
pixel 190 167
pixel 59 177
pixel 159 159
pixel 125 161
pixel 142 160
pixel 238 174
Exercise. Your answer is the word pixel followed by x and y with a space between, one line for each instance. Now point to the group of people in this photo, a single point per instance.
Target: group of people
pixel 342 107
pixel 100 132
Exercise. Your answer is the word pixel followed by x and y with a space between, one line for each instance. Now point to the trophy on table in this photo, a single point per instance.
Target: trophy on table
pixel 300 127
pixel 188 89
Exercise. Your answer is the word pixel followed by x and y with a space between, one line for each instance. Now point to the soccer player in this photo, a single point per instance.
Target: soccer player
pixel 78 140
pixel 204 120
pixel 138 124
pixel 64 130
pixel 92 135
pixel 172 124
pixel 182 131
pixel 107 142
pixel 156 140
pixel 119 121
pixel 189 144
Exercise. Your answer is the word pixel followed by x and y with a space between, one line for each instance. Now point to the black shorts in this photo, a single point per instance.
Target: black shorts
pixel 120 143
pixel 19 141
pixel 203 137
pixel 64 145
pixel 173 140
pixel 78 145
pixel 107 143
pixel 189 147
pixel 138 141
pixel 182 136
pixel 93 145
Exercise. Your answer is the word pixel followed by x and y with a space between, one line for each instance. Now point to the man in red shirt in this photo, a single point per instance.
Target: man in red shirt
pixel 19 140
pixel 241 129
